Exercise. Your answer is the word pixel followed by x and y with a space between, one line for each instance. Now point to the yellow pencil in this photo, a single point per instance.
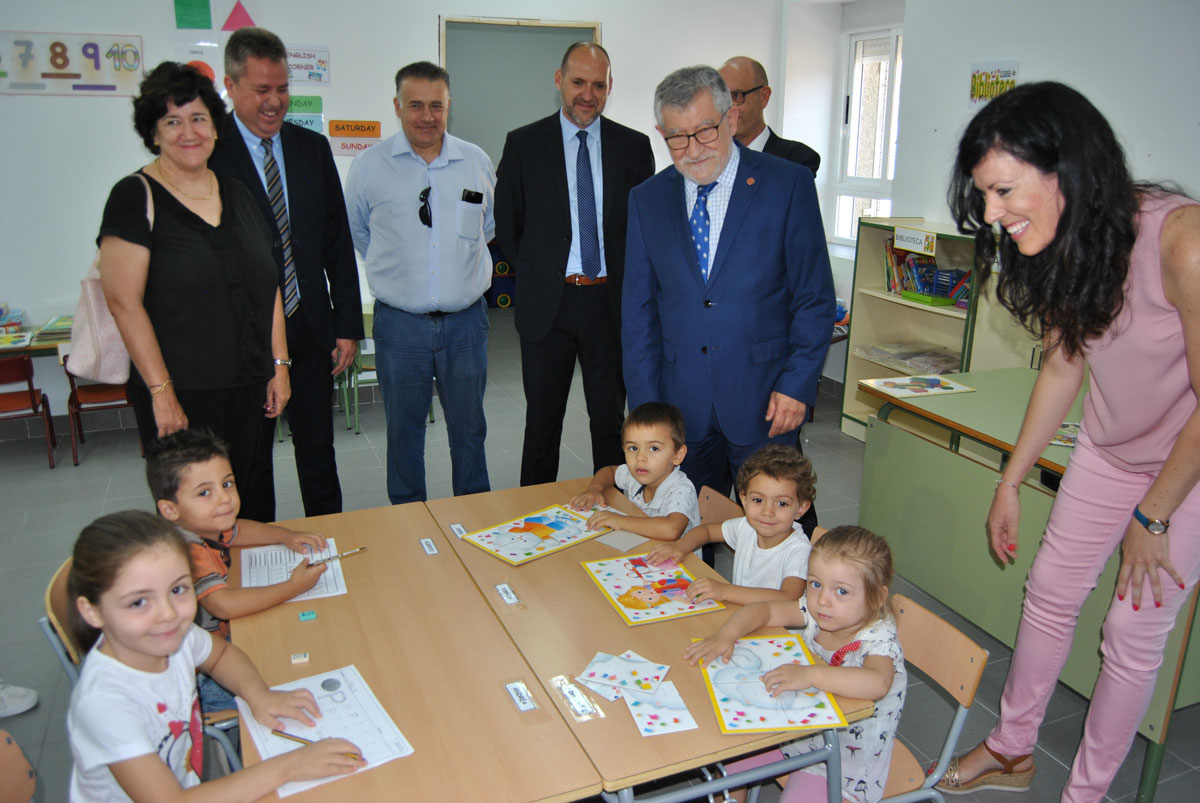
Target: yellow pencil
pixel 335 557
pixel 302 740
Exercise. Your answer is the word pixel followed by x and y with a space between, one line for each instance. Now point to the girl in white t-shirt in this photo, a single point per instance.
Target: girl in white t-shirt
pixel 134 721
pixel 848 623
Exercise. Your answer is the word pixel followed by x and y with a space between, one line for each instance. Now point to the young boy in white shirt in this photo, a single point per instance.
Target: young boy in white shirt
pixel 653 439
pixel 770 550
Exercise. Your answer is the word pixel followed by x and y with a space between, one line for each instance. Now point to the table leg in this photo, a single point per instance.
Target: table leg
pixel 1151 765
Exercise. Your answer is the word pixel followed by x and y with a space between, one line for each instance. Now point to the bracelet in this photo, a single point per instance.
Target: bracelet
pixel 155 390
pixel 1014 486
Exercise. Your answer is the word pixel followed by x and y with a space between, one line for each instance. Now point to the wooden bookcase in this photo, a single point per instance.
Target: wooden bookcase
pixel 984 334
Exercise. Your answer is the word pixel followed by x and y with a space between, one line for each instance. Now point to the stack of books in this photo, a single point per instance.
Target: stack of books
pixel 917 278
pixel 11 319
pixel 56 330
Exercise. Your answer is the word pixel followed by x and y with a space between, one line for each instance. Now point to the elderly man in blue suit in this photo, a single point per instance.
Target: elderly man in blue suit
pixel 728 300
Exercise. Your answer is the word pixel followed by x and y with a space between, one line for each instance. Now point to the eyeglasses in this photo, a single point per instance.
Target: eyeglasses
pixel 425 213
pixel 739 96
pixel 706 135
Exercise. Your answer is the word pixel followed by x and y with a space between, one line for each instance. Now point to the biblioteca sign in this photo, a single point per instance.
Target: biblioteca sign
pixel 915 241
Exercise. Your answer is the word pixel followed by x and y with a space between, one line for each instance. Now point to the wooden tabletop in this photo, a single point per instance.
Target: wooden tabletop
pixel 437 659
pixel 562 621
pixel 991 415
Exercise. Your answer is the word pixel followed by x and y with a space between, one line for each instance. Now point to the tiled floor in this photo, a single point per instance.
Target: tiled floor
pixel 46 509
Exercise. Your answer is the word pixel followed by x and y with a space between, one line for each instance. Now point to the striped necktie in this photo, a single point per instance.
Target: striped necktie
pixel 291 287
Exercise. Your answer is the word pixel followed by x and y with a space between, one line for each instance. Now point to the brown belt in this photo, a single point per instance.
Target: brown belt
pixel 580 280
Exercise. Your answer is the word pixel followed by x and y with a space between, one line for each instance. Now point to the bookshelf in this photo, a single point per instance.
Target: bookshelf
pixel 984 334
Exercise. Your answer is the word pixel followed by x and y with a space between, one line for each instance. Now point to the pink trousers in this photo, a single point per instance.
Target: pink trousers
pixel 1094 505
pixel 802 787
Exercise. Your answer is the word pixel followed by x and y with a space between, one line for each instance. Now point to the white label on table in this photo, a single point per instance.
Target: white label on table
pixel 458 529
pixel 429 547
pixel 507 594
pixel 521 696
pixel 580 704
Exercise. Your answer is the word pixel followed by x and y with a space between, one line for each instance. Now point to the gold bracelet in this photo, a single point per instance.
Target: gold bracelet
pixel 1015 487
pixel 155 390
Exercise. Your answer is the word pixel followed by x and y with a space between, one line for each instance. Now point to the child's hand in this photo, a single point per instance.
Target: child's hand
pixel 268 706
pixel 298 541
pixel 306 574
pixel 322 759
pixel 789 677
pixel 710 649
pixel 605 518
pixel 707 588
pixel 664 553
pixel 588 499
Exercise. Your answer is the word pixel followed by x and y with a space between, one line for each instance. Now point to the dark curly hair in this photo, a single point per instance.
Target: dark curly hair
pixel 780 462
pixel 1073 287
pixel 180 84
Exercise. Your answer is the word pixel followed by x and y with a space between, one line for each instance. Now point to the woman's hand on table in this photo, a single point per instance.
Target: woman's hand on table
pixel 1003 521
pixel 1143 557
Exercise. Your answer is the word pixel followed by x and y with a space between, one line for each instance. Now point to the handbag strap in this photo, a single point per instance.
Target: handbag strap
pixel 149 200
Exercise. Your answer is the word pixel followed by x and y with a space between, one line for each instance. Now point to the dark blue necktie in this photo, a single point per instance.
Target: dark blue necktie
pixel 589 240
pixel 699 224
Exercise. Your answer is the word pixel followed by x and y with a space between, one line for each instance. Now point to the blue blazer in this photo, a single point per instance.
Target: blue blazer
pixel 763 321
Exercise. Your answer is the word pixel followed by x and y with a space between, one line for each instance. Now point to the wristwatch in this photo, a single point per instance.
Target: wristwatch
pixel 1155 526
pixel 285 363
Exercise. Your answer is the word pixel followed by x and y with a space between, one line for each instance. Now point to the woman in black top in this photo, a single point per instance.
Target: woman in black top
pixel 194 292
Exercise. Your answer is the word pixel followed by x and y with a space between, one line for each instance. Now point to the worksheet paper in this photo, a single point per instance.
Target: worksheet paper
pixel 349 710
pixel 268 565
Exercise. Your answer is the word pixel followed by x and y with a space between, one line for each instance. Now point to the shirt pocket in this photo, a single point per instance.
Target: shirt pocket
pixel 468 220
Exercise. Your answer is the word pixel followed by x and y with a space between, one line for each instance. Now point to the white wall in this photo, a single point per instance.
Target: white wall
pixel 1136 61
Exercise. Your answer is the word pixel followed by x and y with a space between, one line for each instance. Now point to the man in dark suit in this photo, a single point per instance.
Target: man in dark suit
pixel 747 82
pixel 728 297
pixel 569 260
pixel 317 271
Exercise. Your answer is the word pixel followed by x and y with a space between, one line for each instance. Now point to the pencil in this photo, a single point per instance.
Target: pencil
pixel 302 740
pixel 335 557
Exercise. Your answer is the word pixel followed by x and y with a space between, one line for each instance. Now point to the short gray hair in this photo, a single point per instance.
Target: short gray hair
pixel 680 88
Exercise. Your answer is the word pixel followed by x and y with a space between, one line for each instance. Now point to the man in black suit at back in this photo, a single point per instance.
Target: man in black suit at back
pixel 324 327
pixel 568 249
pixel 747 82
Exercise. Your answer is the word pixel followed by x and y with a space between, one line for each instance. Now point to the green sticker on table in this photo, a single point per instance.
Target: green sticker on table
pixel 305 104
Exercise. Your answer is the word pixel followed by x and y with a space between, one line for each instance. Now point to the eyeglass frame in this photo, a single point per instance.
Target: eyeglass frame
pixel 734 94
pixel 695 135
pixel 425 212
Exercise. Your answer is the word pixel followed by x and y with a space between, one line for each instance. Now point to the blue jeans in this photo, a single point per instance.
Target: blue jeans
pixel 213 696
pixel 410 352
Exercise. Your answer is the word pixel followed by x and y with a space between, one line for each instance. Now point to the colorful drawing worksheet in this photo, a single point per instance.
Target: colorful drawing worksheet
pixel 659 712
pixel 742 703
pixel 268 565
pixel 349 710
pixel 535 535
pixel 610 675
pixel 642 593
pixel 906 386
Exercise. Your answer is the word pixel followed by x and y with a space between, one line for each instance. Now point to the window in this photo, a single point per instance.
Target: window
pixel 868 135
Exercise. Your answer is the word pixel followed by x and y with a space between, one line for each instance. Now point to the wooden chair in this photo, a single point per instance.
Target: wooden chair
pixel 952 661
pixel 54 626
pixel 27 403
pixel 716 507
pixel 88 398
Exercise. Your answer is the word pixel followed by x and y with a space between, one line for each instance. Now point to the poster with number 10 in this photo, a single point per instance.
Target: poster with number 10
pixel 75 64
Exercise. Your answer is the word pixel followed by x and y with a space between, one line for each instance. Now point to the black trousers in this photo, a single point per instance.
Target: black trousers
pixel 583 329
pixel 309 416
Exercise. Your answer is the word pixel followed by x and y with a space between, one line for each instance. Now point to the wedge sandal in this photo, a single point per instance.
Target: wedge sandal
pixel 1005 779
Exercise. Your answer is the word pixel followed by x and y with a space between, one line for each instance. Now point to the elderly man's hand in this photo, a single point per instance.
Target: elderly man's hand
pixel 784 413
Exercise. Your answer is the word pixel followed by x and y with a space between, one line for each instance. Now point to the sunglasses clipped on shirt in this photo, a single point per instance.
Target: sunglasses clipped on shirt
pixel 425 212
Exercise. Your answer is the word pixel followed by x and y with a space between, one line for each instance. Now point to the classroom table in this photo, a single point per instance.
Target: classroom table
pixel 931 502
pixel 561 621
pixel 432 652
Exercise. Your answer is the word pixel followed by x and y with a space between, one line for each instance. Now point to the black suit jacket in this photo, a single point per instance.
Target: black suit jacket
pixel 793 151
pixel 321 244
pixel 533 213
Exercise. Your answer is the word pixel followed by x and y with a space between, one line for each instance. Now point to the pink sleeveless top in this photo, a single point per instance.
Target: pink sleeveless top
pixel 1140 393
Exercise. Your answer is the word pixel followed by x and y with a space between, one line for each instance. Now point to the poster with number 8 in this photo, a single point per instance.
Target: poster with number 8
pixel 70 63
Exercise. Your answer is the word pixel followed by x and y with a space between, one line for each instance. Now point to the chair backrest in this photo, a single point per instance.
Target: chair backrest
pixel 57 606
pixel 19 369
pixel 939 649
pixel 716 507
pixel 70 376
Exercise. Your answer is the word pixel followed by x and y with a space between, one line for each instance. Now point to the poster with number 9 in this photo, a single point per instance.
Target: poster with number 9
pixel 70 64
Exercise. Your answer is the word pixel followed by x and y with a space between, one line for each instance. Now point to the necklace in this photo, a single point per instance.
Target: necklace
pixel 212 184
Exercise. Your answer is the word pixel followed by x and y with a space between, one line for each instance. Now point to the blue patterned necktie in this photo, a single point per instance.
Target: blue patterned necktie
pixel 589 240
pixel 699 223
pixel 291 288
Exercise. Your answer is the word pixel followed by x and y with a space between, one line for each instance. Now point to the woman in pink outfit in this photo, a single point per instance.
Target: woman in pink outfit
pixel 1107 272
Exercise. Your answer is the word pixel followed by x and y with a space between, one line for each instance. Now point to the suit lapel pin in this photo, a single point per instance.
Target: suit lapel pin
pixel 750 181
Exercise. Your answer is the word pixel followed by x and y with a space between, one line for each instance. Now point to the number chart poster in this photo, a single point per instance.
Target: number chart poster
pixel 73 64
pixel 742 703
pixel 642 593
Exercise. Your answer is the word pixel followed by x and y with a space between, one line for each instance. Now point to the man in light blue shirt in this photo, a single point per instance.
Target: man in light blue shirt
pixel 420 206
